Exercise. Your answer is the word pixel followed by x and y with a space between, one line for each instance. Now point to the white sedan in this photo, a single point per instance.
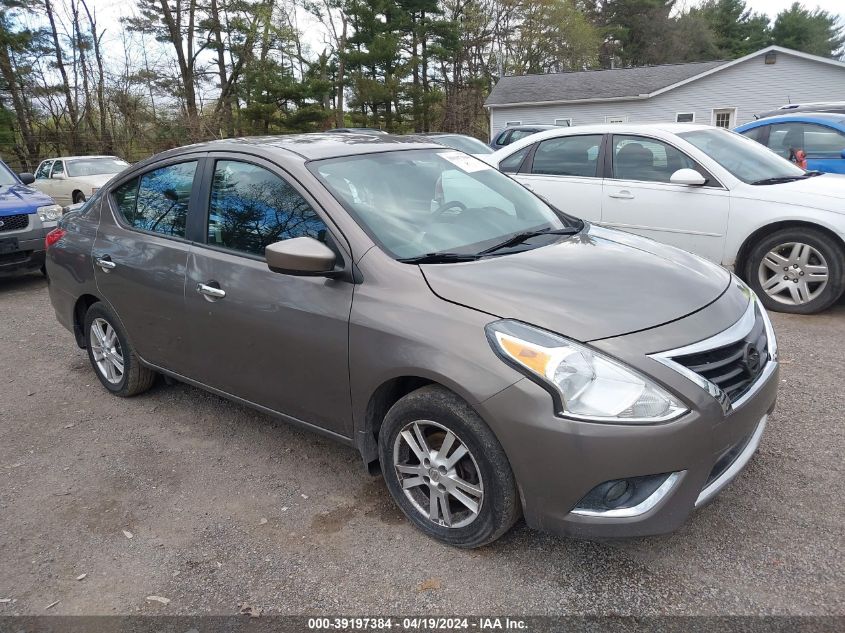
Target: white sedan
pixel 704 189
pixel 73 179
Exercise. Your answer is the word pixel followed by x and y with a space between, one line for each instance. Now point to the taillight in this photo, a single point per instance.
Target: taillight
pixel 53 236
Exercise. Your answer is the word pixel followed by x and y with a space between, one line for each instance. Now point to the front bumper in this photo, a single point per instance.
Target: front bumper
pixel 557 461
pixel 23 251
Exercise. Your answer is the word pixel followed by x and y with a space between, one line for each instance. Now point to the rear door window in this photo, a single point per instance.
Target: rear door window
pixel 157 201
pixel 568 156
pixel 44 169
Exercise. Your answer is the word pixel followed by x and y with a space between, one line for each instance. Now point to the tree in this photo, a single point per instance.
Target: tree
pixel 552 36
pixel 816 32
pixel 15 44
pixel 634 31
pixel 736 30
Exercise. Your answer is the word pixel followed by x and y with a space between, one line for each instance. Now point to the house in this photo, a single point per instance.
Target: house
pixel 723 93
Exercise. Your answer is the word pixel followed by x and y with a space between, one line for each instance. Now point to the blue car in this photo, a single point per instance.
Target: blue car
pixel 26 216
pixel 820 134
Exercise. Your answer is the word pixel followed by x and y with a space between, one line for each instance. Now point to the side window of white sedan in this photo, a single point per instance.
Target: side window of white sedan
pixel 647 159
pixel 568 156
pixel 43 170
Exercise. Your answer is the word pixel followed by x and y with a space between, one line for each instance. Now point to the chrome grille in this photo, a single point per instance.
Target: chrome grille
pixel 733 367
pixel 14 222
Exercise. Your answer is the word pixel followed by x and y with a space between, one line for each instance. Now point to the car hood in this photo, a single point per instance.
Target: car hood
pixel 593 285
pixel 825 192
pixel 16 199
pixel 96 180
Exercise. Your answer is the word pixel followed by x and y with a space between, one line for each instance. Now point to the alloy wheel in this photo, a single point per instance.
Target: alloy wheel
pixel 438 474
pixel 105 347
pixel 793 273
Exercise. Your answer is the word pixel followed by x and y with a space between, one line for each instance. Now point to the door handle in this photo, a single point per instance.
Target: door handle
pixel 105 263
pixel 624 195
pixel 211 292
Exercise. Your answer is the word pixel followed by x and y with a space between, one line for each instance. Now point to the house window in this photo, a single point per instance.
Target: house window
pixel 724 117
pixel 512 123
pixel 616 119
pixel 685 117
pixel 563 122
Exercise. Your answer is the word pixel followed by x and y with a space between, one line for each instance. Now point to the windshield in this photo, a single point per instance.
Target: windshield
pixel 463 143
pixel 432 201
pixel 95 166
pixel 7 178
pixel 746 159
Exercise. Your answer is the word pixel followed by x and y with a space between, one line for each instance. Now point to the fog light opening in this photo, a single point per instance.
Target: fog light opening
pixel 626 497
pixel 619 492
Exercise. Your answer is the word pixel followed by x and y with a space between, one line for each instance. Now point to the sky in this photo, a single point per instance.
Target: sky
pixel 109 12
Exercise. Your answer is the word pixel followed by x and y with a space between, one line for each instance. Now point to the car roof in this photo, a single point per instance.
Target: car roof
pixel 602 128
pixel 799 117
pixel 313 146
pixel 66 158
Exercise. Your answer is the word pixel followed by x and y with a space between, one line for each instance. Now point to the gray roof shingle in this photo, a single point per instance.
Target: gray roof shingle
pixel 592 84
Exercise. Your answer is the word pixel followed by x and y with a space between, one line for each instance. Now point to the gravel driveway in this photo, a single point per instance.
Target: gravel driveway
pixel 183 495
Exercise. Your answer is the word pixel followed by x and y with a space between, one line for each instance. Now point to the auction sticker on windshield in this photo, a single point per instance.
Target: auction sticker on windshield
pixel 465 162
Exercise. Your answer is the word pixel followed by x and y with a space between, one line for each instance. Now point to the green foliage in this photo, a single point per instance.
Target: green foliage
pixel 736 30
pixel 816 32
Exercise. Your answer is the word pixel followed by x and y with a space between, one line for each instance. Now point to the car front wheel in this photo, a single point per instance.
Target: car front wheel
pixel 798 270
pixel 112 356
pixel 446 470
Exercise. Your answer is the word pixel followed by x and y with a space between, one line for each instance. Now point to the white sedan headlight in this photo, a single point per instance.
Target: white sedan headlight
pixel 50 213
pixel 589 385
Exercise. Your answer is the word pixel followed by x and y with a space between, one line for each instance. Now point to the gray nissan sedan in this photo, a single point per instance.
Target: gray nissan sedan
pixel 492 356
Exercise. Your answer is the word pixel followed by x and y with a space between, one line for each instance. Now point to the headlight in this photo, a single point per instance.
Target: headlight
pixel 587 384
pixel 50 213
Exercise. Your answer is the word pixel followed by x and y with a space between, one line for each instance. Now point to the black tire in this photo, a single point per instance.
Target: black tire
pixel 78 197
pixel 500 506
pixel 828 247
pixel 135 378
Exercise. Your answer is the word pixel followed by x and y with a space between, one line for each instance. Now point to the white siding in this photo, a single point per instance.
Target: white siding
pixel 751 86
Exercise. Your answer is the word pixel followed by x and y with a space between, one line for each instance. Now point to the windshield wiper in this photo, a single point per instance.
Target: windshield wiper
pixel 519 238
pixel 439 258
pixel 779 179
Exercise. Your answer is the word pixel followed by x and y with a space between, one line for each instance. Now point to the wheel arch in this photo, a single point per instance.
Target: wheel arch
pixel 768 229
pixel 381 400
pixel 83 303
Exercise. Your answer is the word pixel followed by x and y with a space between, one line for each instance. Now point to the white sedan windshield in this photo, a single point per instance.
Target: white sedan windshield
pixel 423 201
pixel 746 159
pixel 95 166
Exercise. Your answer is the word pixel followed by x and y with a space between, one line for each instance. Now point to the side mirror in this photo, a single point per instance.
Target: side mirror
pixel 26 178
pixel 59 176
pixel 301 256
pixel 687 177
pixel 843 154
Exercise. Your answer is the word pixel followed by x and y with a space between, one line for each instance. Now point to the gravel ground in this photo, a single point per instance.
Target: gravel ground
pixel 181 494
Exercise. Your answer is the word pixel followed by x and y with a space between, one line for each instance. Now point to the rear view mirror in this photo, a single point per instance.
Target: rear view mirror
pixel 687 177
pixel 26 178
pixel 301 256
